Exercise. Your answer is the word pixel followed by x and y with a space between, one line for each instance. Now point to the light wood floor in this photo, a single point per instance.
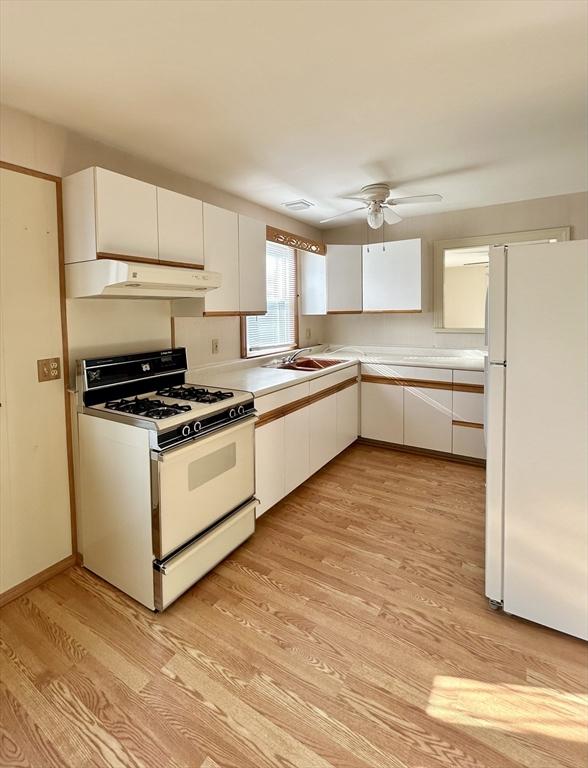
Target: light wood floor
pixel 351 631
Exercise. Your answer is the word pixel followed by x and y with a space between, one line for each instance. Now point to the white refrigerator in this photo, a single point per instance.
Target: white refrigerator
pixel 537 434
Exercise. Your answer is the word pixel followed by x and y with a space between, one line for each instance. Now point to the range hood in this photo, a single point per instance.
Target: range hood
pixel 109 278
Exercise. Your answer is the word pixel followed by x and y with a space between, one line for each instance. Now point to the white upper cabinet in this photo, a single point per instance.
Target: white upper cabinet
pixel 344 278
pixel 252 260
pixel 126 216
pixel 180 228
pixel 221 254
pixel 313 290
pixel 112 215
pixel 234 245
pixel 392 274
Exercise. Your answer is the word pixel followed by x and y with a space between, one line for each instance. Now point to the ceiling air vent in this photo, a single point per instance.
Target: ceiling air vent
pixel 298 205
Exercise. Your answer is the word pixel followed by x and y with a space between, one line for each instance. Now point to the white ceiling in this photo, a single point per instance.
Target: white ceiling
pixel 482 102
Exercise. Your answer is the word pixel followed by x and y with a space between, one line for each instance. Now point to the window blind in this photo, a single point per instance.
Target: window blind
pixel 277 328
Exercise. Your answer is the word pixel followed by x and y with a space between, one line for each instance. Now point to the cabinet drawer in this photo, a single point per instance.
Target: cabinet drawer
pixel 469 441
pixel 468 377
pixel 331 379
pixel 468 406
pixel 281 397
pixel 180 572
pixel 411 373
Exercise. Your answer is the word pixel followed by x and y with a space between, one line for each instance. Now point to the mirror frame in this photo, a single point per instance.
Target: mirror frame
pixel 440 246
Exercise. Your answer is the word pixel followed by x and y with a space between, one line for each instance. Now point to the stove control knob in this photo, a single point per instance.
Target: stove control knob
pixel 232 413
pixel 240 410
pixel 197 426
pixel 186 431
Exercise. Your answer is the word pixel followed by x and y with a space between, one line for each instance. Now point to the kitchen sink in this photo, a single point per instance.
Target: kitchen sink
pixel 308 364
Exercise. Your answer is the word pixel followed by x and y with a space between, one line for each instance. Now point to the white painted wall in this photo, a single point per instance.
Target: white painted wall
pixel 417 329
pixel 464 296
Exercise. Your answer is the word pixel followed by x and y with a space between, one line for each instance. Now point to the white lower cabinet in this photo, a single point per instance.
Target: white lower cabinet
pixel 296 448
pixel 347 401
pixel 382 412
pixel 269 464
pixel 428 418
pixel 323 432
pixel 289 449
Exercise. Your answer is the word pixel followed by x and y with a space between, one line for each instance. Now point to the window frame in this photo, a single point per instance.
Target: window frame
pixel 440 246
pixel 245 354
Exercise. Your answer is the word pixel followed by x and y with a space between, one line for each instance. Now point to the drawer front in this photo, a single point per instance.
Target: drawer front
pixel 202 482
pixel 469 441
pixel 179 573
pixel 468 377
pixel 331 379
pixel 386 370
pixel 281 397
pixel 468 406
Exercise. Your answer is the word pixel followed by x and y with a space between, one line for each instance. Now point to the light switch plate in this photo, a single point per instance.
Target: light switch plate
pixel 49 369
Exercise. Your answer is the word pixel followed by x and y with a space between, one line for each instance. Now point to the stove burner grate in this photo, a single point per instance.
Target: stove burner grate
pixel 145 406
pixel 196 394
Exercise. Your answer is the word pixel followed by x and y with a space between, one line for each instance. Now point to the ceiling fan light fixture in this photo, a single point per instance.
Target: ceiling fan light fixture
pixel 375 217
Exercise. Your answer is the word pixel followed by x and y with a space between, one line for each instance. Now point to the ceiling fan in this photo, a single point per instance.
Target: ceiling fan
pixel 375 198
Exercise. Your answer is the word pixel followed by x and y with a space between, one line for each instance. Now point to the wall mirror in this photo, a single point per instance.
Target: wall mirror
pixel 461 269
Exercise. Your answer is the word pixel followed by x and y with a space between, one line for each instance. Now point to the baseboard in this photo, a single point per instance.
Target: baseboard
pixel 38 578
pixel 423 452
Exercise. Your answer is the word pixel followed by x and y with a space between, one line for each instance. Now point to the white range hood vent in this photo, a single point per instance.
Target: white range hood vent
pixel 109 278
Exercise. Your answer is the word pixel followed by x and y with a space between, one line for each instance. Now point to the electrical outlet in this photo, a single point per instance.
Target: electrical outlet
pixel 308 333
pixel 214 347
pixel 48 369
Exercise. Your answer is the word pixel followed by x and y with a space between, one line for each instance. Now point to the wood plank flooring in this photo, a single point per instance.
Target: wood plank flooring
pixel 350 632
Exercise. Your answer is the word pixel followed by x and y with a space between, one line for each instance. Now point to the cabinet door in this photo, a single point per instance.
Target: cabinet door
pixel 323 432
pixel 382 412
pixel 221 254
pixel 392 276
pixel 269 464
pixel 179 219
pixel 347 416
pixel 126 216
pixel 252 283
pixel 313 293
pixel 296 448
pixel 344 278
pixel 427 418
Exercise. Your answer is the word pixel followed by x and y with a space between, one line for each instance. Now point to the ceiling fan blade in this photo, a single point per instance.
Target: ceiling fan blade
pixel 345 213
pixel 390 216
pixel 415 199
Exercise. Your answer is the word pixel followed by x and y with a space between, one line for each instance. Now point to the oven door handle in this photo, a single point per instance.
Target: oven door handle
pixel 226 431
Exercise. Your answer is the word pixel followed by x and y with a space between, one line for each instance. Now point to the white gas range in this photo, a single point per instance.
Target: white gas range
pixel 166 473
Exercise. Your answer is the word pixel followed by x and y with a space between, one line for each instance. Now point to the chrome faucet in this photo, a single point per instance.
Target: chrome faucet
pixel 290 358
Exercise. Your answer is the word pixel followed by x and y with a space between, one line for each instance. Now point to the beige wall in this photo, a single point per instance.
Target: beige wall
pixel 464 296
pixel 101 326
pixel 417 330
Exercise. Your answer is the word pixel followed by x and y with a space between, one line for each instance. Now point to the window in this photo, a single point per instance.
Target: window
pixel 461 276
pixel 277 330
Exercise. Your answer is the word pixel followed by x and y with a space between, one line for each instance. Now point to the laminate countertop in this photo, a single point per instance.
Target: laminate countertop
pixel 262 379
pixel 258 380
